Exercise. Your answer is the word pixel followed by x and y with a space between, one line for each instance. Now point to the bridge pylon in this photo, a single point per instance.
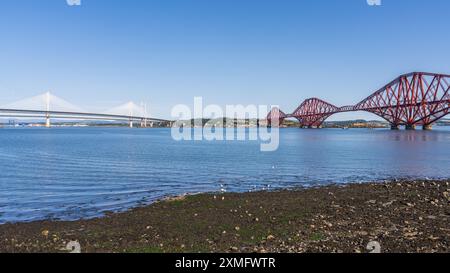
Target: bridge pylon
pixel 47 121
pixel 47 116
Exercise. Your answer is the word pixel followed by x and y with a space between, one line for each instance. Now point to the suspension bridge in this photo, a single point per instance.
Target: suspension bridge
pixel 48 106
pixel 414 99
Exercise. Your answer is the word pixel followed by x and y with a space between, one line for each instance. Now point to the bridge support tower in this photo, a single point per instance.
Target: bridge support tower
pixel 47 121
pixel 410 127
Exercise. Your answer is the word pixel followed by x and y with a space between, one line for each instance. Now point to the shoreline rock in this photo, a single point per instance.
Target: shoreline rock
pixel 398 216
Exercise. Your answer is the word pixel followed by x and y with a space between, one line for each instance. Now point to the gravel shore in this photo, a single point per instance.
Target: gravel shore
pixel 405 216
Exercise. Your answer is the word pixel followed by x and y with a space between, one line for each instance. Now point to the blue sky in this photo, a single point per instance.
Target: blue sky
pixel 165 52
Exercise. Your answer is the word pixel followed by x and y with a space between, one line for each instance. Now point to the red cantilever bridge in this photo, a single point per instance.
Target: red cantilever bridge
pixel 410 100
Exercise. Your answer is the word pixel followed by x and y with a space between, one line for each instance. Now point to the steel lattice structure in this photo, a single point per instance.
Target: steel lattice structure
pixel 412 99
pixel 313 112
pixel 278 115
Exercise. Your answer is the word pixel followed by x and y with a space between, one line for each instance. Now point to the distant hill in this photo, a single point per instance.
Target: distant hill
pixel 443 122
pixel 359 123
pixel 288 123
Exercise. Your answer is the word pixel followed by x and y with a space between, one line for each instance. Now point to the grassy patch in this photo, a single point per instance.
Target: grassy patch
pixel 254 234
pixel 147 249
pixel 317 237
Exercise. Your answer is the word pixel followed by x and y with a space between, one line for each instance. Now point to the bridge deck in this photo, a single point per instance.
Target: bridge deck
pixel 74 115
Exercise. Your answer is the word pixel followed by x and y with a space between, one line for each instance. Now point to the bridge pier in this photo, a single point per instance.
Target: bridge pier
pixel 47 121
pixel 144 123
pixel 395 127
pixel 427 127
pixel 410 127
pixel 131 124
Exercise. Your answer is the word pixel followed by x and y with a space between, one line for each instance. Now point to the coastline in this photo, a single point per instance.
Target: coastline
pixel 405 216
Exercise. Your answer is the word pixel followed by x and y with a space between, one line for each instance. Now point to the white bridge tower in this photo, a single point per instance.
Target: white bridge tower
pixel 47 115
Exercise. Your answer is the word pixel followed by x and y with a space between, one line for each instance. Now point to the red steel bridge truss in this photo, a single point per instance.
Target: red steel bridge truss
pixel 410 100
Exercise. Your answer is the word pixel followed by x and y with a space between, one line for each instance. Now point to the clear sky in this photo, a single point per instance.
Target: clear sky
pixel 165 52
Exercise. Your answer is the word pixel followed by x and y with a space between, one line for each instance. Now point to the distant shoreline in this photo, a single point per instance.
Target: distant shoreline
pixel 406 216
pixel 162 127
pixel 217 123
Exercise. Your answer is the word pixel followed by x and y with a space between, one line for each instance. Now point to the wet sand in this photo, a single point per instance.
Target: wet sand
pixel 402 216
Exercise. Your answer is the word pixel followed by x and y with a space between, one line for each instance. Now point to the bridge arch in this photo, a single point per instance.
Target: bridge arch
pixel 313 112
pixel 412 99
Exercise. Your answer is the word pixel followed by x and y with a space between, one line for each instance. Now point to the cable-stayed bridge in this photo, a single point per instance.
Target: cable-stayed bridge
pixel 49 106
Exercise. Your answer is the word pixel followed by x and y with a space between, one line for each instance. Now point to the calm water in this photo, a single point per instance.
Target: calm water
pixel 80 173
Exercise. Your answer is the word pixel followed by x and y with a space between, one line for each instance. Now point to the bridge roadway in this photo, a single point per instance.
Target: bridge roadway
pixel 352 108
pixel 78 115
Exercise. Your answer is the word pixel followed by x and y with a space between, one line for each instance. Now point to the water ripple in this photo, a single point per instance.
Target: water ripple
pixel 69 174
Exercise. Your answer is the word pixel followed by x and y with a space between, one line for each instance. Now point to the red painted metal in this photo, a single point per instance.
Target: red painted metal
pixel 276 115
pixel 417 98
pixel 313 112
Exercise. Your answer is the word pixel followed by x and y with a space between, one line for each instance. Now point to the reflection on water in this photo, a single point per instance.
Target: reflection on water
pixel 73 173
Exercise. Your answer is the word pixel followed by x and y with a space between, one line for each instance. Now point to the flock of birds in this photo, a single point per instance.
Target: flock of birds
pixel 223 188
